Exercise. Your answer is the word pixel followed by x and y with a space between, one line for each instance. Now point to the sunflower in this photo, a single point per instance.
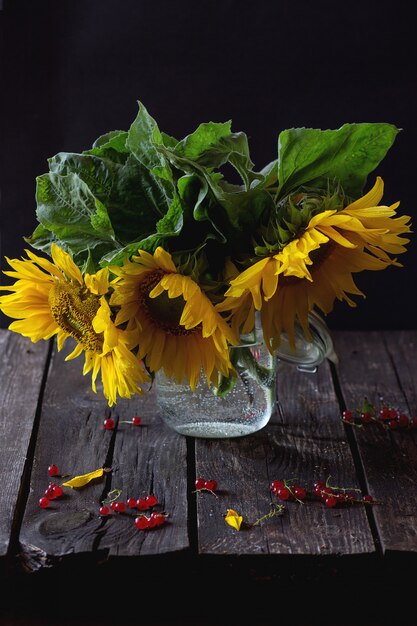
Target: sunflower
pixel 316 268
pixel 51 299
pixel 177 327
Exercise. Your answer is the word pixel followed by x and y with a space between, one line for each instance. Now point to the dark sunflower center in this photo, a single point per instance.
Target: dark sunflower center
pixel 73 309
pixel 164 312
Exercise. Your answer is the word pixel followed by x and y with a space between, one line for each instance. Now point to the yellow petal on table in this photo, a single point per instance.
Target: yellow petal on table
pixel 233 519
pixel 84 479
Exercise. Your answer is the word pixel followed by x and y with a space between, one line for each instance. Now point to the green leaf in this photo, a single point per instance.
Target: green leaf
pixel 170 225
pixel 213 144
pixel 202 144
pixel 135 199
pixel 313 157
pixel 245 208
pixel 114 140
pixel 41 239
pixel 67 208
pixel 97 173
pixel 268 175
pixel 143 137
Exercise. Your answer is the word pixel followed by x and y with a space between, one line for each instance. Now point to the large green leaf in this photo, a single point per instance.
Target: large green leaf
pixel 213 144
pixel 314 157
pixel 114 139
pixel 143 138
pixel 202 144
pixel 68 209
pixel 135 199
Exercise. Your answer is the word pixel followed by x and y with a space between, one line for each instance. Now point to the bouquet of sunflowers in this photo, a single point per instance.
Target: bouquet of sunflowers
pixel 157 261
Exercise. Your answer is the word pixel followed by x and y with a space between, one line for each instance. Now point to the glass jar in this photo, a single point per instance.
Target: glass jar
pixel 308 354
pixel 242 405
pixel 239 406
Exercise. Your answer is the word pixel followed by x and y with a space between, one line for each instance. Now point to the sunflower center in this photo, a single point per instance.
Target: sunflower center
pixel 73 309
pixel 320 255
pixel 165 312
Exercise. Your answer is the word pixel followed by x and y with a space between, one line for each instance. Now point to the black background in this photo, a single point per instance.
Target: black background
pixel 75 69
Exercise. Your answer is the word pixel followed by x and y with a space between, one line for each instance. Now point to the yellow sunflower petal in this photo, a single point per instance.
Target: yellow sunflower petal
pixel 370 199
pixel 64 261
pixel 233 519
pixel 84 479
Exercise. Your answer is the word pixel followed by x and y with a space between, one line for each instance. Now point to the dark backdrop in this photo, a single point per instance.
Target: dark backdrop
pixel 74 69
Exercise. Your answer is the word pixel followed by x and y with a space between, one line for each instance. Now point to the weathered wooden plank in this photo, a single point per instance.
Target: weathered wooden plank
pixel 149 459
pixel 143 459
pixel 22 367
pixel 305 440
pixel 374 365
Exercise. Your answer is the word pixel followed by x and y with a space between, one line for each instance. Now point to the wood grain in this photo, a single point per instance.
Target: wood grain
pixel 22 366
pixel 382 365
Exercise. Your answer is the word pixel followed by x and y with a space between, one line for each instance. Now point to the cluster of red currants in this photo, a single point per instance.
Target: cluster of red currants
pixel 285 491
pixel 201 484
pixel 119 506
pixel 142 522
pixel 109 423
pixel 53 490
pixel 386 416
pixel 329 494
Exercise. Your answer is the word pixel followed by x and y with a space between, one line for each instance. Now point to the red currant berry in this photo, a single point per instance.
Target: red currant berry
pixel 330 501
pixel 131 503
pixel 368 499
pixel 325 492
pixel 347 416
pixel 342 497
pixel 104 510
pixel 275 485
pixel 159 519
pixel 113 506
pixel 283 493
pixel 49 492
pixel 402 420
pixel 299 492
pixel 137 421
pixel 393 413
pixel 366 417
pixel 53 470
pixel 199 483
pixel 120 507
pixel 142 522
pixel 151 500
pixel 141 504
pixel 109 423
pixel 156 519
pixel 392 424
pixel 384 413
pixel 210 484
pixel 44 503
pixel 152 521
pixel 57 491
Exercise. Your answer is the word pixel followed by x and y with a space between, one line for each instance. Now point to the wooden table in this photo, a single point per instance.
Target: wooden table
pixel 310 562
